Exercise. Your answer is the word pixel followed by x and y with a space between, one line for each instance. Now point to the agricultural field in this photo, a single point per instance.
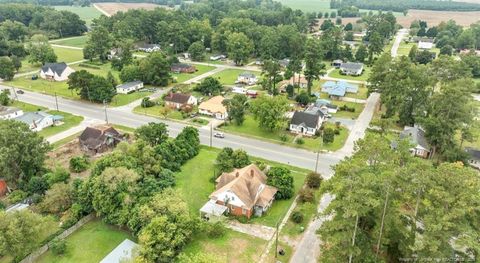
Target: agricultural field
pixel 87 13
pixel 71 41
pixel 113 8
pixel 435 17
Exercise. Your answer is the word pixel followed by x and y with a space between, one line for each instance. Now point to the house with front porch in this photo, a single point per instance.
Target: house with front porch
pixel 306 122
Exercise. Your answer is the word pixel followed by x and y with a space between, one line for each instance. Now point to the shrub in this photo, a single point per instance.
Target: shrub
pixel 147 103
pixel 328 135
pixel 17 196
pixel 306 195
pixel 314 180
pixel 297 217
pixel 215 230
pixel 60 175
pixel 300 141
pixel 337 131
pixel 58 246
pixel 79 164
pixel 37 185
pixel 283 137
pixel 243 219
pixel 36 198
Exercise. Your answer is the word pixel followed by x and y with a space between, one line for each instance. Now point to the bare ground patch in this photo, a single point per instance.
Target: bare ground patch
pixel 113 8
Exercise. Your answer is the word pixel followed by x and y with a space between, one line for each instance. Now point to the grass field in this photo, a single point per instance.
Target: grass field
pixel 71 41
pixel 346 114
pixel 404 48
pixel 308 5
pixel 232 247
pixel 229 76
pixel 124 99
pixel 101 71
pixel 87 13
pixel 363 77
pixel 63 55
pixel 201 69
pixel 195 185
pixel 44 86
pixel 90 243
pixel 250 129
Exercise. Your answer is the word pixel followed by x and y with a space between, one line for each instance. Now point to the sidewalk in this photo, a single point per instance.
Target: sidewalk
pixel 263 232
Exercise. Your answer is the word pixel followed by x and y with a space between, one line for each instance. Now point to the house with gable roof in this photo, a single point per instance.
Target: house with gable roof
pixel 338 89
pixel 56 71
pixel 416 136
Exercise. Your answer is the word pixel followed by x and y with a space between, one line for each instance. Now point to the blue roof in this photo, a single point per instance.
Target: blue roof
pixel 339 88
pixel 322 102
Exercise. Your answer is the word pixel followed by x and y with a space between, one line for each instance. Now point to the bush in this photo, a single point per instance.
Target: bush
pixel 79 164
pixel 314 180
pixel 17 196
pixel 215 230
pixel 300 141
pixel 306 195
pixel 147 103
pixel 58 246
pixel 283 137
pixel 297 217
pixel 337 131
pixel 37 185
pixel 60 175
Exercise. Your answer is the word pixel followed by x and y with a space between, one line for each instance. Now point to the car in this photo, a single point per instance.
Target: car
pixel 34 77
pixel 219 135
pixel 20 91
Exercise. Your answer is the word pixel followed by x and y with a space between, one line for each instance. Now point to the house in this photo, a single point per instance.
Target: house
pixel 7 113
pixel 243 192
pixel 183 68
pixel 306 122
pixel 338 89
pixel 326 105
pixel 129 87
pixel 94 140
pixel 39 120
pixel 473 157
pixel 114 53
pixel 247 78
pixel 337 63
pixel 218 57
pixel 252 93
pixel 416 136
pixel 214 107
pixel 149 48
pixel 179 100
pixel 284 62
pixel 3 187
pixel 56 71
pixel 239 90
pixel 125 252
pixel 425 45
pixel 351 68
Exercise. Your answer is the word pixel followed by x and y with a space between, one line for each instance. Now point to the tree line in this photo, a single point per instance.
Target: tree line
pixel 405 5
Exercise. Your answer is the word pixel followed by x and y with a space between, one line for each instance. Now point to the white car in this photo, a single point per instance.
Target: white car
pixel 219 135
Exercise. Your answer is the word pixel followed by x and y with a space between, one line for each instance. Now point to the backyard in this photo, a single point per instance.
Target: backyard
pixel 90 243
pixel 347 114
pixel 366 73
pixel 63 55
pixel 229 76
pixel 71 41
pixel 201 69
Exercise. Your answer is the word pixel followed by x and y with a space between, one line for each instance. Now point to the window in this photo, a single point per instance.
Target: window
pixel 244 211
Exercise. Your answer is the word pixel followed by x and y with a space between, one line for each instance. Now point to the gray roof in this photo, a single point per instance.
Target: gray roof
pixel 352 66
pixel 33 117
pixel 306 119
pixel 8 110
pixel 416 136
pixel 55 67
pixel 129 84
pixel 247 75
pixel 124 251
pixel 473 153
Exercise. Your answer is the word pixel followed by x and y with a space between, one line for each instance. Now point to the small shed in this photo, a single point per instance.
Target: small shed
pixel 212 210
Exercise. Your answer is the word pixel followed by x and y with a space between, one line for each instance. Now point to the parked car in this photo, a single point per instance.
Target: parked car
pixel 34 77
pixel 20 91
pixel 219 135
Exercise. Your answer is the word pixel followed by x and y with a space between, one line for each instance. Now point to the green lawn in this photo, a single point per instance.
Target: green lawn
pixel 71 41
pixel 155 111
pixel 232 247
pixel 87 13
pixel 201 69
pixel 194 182
pixel 229 76
pixel 346 114
pixel 404 48
pixel 363 77
pixel 309 210
pixel 124 99
pixel 44 86
pixel 250 129
pixel 63 55
pixel 102 69
pixel 308 5
pixel 90 243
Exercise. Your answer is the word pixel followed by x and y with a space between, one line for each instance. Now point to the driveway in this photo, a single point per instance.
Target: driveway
pixel 349 123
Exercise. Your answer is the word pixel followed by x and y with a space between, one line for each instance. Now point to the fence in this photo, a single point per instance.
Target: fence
pixel 34 255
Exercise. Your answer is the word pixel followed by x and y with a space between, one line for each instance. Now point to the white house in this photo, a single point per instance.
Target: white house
pixel 239 90
pixel 129 87
pixel 351 68
pixel 8 113
pixel 306 123
pixel 214 107
pixel 217 57
pixel 416 136
pixel 38 120
pixel 425 45
pixel 149 48
pixel 56 71
pixel 247 78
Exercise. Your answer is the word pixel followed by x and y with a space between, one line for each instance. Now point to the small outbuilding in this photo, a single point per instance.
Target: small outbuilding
pixel 125 252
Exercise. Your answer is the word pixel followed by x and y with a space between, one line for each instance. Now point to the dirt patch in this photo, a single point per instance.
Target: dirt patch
pixel 113 8
pixel 62 155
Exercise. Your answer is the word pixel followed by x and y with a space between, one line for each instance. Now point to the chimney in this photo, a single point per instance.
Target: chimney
pixel 237 174
pixel 251 173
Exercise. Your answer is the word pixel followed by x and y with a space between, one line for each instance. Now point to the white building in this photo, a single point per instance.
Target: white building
pixel 56 71
pixel 306 123
pixel 129 87
pixel 8 113
pixel 425 45
pixel 214 107
pixel 247 78
pixel 38 120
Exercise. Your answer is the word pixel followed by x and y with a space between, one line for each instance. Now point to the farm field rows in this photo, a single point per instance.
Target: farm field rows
pixel 87 13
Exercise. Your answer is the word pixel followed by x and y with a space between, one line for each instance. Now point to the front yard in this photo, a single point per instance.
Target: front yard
pixel 124 99
pixel 201 69
pixel 366 73
pixel 91 243
pixel 347 114
pixel 66 55
pixel 229 76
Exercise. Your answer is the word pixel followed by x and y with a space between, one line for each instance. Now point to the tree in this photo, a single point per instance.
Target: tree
pixel 239 47
pixel 326 24
pixel 209 86
pixel 91 87
pixel 40 51
pixel 124 55
pixel 79 164
pixel 348 27
pixel 17 62
pixel 22 152
pixel 282 179
pixel 271 73
pixel 446 50
pixel 57 199
pixel 154 133
pixel 313 63
pixel 227 159
pixel 314 180
pixel 20 231
pixel 98 44
pixel 130 73
pixel 303 98
pixel 236 108
pixel 375 45
pixel 5 97
pixel 155 69
pixel 328 135
pixel 270 112
pixel 349 36
pixel 197 51
pixel 424 57
pixel 338 21
pixel 412 54
pixel 7 68
pixel 361 54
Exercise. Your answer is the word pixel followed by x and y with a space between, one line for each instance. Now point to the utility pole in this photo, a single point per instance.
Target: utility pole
pixel 276 242
pixel 105 107
pixel 211 134
pixel 56 101
pixel 318 152
pixel 15 93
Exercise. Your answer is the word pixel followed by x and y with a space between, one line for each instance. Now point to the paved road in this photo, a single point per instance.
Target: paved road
pixel 204 75
pixel 398 40
pixel 67 47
